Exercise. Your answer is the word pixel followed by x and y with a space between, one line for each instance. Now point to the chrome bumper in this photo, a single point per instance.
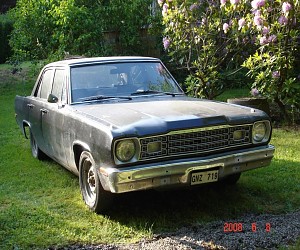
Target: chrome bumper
pixel 178 172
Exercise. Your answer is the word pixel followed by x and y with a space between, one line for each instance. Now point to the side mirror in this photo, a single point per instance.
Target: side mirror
pixel 52 98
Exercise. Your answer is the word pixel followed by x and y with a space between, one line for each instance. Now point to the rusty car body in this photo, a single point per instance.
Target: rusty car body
pixel 124 124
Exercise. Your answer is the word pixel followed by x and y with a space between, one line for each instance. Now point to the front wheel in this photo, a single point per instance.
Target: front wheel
pixel 93 194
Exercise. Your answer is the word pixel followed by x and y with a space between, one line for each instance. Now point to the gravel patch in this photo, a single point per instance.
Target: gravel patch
pixel 247 232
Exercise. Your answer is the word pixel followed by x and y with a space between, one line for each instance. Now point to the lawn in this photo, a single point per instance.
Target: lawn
pixel 41 205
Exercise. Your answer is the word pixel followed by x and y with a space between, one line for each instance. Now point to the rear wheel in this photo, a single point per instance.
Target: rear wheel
pixel 35 150
pixel 93 194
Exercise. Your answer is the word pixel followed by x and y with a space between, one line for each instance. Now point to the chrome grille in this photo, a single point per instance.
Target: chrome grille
pixel 196 141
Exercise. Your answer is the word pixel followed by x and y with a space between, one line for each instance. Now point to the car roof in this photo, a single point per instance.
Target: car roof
pixel 92 60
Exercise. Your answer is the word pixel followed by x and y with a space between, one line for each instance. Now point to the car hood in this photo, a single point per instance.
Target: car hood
pixel 162 114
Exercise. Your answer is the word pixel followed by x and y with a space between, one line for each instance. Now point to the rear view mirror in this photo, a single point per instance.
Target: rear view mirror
pixel 52 98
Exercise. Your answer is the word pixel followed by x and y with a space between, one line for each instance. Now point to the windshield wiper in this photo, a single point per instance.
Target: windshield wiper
pixel 145 92
pixel 103 97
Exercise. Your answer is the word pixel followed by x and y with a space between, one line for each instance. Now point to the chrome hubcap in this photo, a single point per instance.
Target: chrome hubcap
pixel 91 179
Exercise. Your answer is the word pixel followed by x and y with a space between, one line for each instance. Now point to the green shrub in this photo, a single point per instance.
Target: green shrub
pixel 126 22
pixel 6 26
pixel 53 29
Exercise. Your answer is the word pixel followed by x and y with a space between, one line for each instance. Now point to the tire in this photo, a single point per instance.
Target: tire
pixel 35 150
pixel 93 194
pixel 231 179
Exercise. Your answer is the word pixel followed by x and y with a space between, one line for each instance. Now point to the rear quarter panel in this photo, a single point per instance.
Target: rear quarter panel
pixel 21 111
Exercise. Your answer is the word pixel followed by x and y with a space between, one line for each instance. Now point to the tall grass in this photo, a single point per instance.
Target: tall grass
pixel 41 205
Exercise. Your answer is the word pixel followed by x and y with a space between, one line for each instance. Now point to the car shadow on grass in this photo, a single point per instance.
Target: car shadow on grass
pixel 175 208
pixel 266 190
pixel 256 192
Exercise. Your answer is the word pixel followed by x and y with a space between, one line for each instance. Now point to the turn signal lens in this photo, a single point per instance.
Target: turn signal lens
pixel 154 147
pixel 238 135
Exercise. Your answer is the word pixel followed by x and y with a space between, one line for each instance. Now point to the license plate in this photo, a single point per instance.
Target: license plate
pixel 204 177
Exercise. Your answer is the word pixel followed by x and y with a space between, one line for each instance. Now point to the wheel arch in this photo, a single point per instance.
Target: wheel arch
pixel 78 148
pixel 25 124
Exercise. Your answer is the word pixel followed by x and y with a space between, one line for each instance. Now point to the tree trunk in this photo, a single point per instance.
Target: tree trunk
pixel 283 110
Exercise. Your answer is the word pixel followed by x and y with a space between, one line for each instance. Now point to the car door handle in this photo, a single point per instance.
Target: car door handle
pixel 30 106
pixel 44 111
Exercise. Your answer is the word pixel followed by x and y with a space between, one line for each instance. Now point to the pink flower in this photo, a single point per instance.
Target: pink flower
pixel 166 42
pixel 234 2
pixel 254 92
pixel 263 40
pixel 223 2
pixel 257 3
pixel 160 2
pixel 194 6
pixel 276 74
pixel 254 4
pixel 225 27
pixel 165 9
pixel 283 20
pixel 258 21
pixel 286 7
pixel 241 23
pixel 245 40
pixel 272 39
pixel 265 30
pixel 257 12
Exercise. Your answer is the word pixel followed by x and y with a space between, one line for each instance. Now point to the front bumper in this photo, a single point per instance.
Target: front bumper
pixel 178 172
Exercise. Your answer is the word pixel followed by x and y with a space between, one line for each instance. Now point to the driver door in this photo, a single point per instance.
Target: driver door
pixel 54 131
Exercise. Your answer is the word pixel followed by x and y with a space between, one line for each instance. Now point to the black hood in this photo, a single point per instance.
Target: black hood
pixel 162 114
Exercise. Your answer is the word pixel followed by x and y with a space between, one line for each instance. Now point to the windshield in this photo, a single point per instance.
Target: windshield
pixel 120 79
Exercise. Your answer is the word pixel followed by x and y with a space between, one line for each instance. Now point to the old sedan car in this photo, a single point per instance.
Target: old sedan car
pixel 123 124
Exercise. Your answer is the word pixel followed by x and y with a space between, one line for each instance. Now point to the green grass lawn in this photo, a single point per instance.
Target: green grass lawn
pixel 233 93
pixel 41 205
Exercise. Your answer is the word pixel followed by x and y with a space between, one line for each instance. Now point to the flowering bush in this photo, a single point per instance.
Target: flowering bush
pixel 205 35
pixel 274 28
pixel 195 41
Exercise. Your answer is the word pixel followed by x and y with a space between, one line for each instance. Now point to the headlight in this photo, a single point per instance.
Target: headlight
pixel 261 131
pixel 125 150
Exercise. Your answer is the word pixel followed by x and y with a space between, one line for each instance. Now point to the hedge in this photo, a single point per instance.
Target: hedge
pixel 6 26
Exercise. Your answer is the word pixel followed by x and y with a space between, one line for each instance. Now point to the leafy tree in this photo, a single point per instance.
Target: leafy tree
pixel 6 26
pixel 52 28
pixel 126 19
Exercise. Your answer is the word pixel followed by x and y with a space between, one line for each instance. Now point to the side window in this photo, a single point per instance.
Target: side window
pixel 58 83
pixel 45 84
